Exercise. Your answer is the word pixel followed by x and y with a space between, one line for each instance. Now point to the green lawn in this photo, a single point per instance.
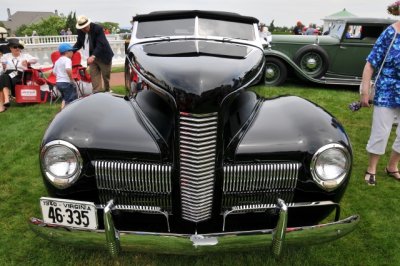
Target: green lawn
pixel 375 242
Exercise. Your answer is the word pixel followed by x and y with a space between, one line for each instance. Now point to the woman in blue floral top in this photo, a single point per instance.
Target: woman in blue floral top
pixel 386 100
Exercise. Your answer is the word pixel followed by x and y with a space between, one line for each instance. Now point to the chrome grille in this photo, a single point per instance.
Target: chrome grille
pixel 197 144
pixel 133 185
pixel 249 184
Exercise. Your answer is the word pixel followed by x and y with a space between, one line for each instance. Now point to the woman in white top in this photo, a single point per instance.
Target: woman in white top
pixel 14 64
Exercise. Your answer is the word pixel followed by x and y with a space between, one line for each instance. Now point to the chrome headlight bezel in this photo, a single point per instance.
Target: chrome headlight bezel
pixel 330 183
pixel 61 181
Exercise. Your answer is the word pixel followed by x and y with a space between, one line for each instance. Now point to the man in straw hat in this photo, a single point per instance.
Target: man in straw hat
pixel 97 51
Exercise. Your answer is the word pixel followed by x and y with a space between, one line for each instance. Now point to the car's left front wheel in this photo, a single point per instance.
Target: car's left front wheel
pixel 313 60
pixel 275 72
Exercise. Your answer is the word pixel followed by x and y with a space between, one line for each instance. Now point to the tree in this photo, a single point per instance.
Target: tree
pixel 53 25
pixel 71 22
pixel 111 26
pixel 272 26
pixel 49 26
pixel 20 31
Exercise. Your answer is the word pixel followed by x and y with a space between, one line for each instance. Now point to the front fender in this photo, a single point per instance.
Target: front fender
pixel 289 125
pixel 104 122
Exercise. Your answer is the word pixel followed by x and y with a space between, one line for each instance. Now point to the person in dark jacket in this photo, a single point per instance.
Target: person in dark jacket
pixel 97 51
pixel 298 29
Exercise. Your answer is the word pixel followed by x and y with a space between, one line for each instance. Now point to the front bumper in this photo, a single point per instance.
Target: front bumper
pixel 169 243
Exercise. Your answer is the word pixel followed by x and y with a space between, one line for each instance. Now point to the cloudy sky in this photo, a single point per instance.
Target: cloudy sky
pixel 283 12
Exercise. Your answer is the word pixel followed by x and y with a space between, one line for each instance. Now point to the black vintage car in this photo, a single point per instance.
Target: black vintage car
pixel 195 162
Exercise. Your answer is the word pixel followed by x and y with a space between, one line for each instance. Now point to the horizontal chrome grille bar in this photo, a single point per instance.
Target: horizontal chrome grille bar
pixel 199 135
pixel 136 208
pixel 204 148
pixel 134 184
pixel 198 145
pixel 198 138
pixel 204 129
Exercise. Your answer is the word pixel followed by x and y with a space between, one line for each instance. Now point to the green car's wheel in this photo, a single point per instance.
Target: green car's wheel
pixel 313 60
pixel 275 72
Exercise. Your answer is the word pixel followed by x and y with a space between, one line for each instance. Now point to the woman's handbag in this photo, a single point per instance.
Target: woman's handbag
pixel 371 90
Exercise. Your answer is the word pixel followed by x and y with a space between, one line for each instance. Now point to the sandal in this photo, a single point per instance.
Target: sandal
pixel 370 179
pixel 392 174
pixel 6 105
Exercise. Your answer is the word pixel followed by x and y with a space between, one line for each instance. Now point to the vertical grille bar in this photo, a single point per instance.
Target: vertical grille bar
pixel 198 139
pixel 261 183
pixel 134 184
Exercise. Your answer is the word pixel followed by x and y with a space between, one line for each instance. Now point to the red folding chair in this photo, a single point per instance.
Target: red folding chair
pixel 29 89
pixel 51 79
pixel 81 76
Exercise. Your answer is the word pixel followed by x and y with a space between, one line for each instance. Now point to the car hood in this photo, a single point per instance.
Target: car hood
pixel 198 73
pixel 304 39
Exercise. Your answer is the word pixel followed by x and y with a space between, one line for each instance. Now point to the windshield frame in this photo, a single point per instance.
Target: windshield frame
pixel 255 42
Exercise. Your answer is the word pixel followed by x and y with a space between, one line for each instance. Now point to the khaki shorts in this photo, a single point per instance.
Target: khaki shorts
pixel 382 122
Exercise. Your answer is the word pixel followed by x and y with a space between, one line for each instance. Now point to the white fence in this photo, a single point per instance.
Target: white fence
pixel 42 47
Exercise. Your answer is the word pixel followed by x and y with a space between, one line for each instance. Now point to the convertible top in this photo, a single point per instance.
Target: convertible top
pixel 162 15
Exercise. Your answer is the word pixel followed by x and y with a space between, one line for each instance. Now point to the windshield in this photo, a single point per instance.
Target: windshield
pixel 226 29
pixel 186 27
pixel 173 27
pixel 336 29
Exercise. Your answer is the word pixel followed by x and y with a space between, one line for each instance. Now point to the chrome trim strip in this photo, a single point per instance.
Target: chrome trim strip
pixel 265 207
pixel 142 209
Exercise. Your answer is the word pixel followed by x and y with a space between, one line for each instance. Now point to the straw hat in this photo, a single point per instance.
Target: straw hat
pixel 82 22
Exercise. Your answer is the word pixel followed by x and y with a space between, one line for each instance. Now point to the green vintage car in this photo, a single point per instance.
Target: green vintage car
pixel 337 57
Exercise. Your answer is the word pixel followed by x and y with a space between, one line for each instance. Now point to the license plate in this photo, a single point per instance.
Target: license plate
pixel 71 213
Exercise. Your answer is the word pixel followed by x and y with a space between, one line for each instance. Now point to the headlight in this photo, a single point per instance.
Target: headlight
pixel 61 163
pixel 330 165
